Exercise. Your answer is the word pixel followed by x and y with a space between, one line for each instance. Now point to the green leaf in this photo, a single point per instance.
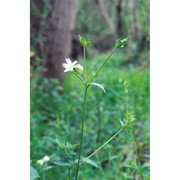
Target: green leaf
pixel 60 144
pixel 98 85
pixel 122 123
pixel 114 157
pixel 129 118
pixel 146 170
pixel 33 173
pixel 64 163
pixel 146 165
pixel 125 83
pixel 47 168
pixel 82 40
pixel 90 162
pixel 127 127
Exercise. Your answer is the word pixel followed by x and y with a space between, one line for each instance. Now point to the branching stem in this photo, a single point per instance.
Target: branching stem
pixel 103 145
pixel 84 109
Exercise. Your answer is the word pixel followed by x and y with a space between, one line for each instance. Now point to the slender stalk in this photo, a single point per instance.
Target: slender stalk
pixel 84 52
pixel 137 156
pixel 82 131
pixel 103 145
pixel 103 64
pixel 99 124
pixel 126 102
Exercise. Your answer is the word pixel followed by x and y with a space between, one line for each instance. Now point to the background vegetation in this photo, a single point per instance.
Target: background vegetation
pixel 56 102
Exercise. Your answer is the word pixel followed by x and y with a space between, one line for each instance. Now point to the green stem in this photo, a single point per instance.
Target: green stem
pixel 103 64
pixel 126 102
pixel 82 131
pixel 84 51
pixel 103 145
pixel 137 156
pixel 99 123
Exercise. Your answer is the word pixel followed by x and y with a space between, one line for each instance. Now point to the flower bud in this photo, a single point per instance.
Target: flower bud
pixel 40 162
pixel 46 158
pixel 78 68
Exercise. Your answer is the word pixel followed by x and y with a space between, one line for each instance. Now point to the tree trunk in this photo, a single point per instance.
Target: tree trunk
pixel 58 46
pixel 105 15
pixel 119 28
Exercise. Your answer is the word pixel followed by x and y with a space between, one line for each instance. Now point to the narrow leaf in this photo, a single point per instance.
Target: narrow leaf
pixel 114 157
pixel 60 144
pixel 127 127
pixel 47 168
pixel 98 85
pixel 62 163
pixel 122 123
pixel 91 162
pixel 33 173
pixel 145 170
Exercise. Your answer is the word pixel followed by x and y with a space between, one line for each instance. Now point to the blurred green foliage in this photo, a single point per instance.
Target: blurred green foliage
pixel 55 116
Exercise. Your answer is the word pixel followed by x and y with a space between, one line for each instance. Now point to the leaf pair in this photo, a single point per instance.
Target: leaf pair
pixel 88 161
pixel 66 147
pixel 126 123
pixel 69 156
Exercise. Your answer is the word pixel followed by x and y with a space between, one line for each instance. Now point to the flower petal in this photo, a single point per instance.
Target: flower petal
pixel 68 61
pixel 75 62
pixel 65 65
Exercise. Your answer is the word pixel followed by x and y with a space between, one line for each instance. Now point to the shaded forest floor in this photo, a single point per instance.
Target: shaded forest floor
pixel 55 116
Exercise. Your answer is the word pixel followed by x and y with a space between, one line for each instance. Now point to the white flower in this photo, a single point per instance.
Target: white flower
pixel 46 158
pixel 69 66
pixel 40 162
pixel 78 68
pixel 72 66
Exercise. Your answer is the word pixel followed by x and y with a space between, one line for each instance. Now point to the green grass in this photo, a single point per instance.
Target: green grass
pixel 59 116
